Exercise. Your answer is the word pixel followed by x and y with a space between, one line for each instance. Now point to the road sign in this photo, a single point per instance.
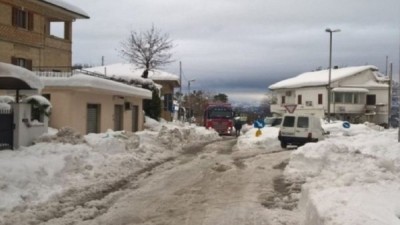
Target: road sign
pixel 290 107
pixel 346 125
pixel 259 123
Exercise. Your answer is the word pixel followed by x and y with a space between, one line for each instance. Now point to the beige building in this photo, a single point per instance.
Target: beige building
pixel 90 104
pixel 128 71
pixel 37 35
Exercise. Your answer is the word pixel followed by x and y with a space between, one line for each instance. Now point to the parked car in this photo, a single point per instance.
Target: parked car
pixel 272 121
pixel 300 129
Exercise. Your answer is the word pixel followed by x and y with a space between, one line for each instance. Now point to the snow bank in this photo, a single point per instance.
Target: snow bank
pixel 64 161
pixel 352 177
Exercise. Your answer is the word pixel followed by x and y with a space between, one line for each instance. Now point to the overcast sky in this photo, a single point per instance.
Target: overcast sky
pixel 240 47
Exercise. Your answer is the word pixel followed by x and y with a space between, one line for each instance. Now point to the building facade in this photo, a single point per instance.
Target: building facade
pixel 37 35
pixel 358 94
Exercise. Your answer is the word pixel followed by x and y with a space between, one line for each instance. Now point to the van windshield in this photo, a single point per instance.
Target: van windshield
pixel 288 121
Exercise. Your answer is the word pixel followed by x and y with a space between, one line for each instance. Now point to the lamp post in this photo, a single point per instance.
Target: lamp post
pixel 330 70
pixel 190 103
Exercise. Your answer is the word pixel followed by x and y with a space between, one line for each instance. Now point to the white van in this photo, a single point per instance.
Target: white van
pixel 299 129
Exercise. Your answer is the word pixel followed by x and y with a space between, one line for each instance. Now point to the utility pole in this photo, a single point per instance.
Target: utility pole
pixel 390 92
pixel 330 71
pixel 102 61
pixel 180 77
pixel 387 61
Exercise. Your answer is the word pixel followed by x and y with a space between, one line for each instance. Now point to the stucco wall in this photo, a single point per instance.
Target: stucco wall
pixel 70 109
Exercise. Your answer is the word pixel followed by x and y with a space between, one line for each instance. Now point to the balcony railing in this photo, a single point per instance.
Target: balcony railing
pixel 65 72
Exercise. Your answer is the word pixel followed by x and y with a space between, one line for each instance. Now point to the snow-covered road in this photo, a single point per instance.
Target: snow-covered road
pixel 210 187
pixel 207 183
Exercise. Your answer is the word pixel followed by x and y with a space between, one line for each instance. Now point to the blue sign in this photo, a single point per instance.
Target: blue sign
pixel 346 124
pixel 259 123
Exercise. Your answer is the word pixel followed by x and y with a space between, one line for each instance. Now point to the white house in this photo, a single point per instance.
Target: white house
pixel 358 94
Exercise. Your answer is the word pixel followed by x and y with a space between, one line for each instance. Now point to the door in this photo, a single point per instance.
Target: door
pixel 118 117
pixel 302 126
pixel 288 126
pixel 135 118
pixel 93 118
pixel 6 129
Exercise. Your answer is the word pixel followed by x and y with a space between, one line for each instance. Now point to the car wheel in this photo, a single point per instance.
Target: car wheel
pixel 283 144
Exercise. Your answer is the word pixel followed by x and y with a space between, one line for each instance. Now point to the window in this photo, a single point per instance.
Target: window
pixel 22 18
pixel 302 122
pixel 356 98
pixel 168 102
pixel 288 121
pixel 371 100
pixel 338 97
pixel 308 103
pixel 348 98
pixel 319 99
pixel 25 63
pixel 283 99
pixel 299 100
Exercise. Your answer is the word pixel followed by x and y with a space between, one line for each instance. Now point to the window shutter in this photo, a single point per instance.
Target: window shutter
pixel 14 16
pixel 29 64
pixel 13 60
pixel 30 21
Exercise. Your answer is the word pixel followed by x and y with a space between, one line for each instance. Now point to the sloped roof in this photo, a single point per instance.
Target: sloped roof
pixel 319 78
pixel 129 70
pixel 68 7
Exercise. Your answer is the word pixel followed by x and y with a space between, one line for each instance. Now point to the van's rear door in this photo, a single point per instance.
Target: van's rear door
pixel 302 126
pixel 288 126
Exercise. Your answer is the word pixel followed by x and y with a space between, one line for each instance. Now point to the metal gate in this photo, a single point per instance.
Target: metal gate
pixel 6 129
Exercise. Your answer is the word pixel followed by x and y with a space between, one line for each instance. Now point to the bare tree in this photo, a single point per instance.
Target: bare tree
pixel 149 50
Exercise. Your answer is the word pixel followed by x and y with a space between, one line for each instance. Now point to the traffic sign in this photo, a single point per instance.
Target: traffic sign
pixel 346 125
pixel 290 107
pixel 259 123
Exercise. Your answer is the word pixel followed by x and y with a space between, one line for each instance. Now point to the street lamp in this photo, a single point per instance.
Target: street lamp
pixel 190 104
pixel 330 70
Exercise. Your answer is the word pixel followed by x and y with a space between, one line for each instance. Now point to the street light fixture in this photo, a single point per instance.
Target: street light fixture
pixel 330 70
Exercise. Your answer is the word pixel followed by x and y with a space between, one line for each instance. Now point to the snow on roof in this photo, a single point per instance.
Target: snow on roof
pixel 85 81
pixel 319 78
pixel 130 70
pixel 17 72
pixel 68 7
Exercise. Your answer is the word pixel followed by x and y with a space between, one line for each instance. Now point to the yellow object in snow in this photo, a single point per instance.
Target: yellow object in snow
pixel 258 133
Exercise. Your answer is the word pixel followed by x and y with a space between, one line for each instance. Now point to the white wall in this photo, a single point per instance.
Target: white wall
pixel 25 131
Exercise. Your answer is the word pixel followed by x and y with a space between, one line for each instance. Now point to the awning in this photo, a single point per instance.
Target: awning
pixel 350 90
pixel 17 78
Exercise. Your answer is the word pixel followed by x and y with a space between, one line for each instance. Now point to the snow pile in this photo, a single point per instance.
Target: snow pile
pixel 65 161
pixel 350 178
pixel 267 141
